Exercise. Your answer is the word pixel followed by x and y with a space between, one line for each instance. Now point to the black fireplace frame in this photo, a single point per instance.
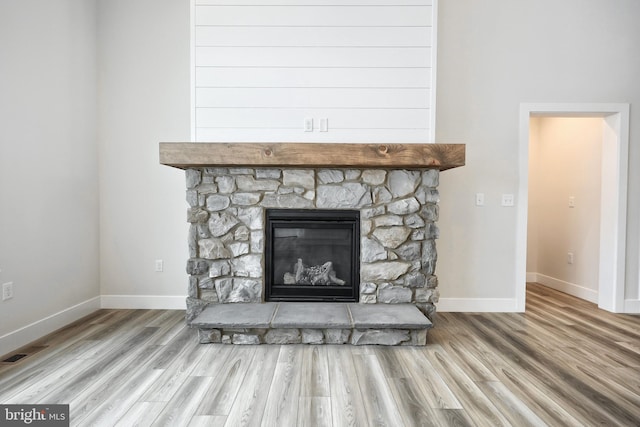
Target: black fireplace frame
pixel 312 218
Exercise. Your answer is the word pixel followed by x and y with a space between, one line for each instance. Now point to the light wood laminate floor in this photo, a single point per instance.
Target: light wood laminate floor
pixel 562 363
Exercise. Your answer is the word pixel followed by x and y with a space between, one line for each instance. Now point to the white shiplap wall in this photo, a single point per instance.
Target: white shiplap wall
pixel 260 68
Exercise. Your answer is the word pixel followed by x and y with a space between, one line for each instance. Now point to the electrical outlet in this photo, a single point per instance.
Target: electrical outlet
pixel 308 125
pixel 7 291
pixel 569 257
pixel 479 199
pixel 159 266
pixel 507 200
pixel 572 202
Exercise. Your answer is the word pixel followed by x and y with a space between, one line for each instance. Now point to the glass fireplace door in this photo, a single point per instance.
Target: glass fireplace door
pixel 312 255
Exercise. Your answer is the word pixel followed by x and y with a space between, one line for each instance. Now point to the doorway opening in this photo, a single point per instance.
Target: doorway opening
pixel 611 235
pixel 563 238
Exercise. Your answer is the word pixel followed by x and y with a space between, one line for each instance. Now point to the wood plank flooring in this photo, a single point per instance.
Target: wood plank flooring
pixel 562 363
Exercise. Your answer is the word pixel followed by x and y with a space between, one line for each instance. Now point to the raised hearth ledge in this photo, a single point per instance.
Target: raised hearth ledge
pixel 185 155
pixel 312 323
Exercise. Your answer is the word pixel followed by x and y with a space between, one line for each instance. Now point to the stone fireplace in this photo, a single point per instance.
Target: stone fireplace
pixel 233 205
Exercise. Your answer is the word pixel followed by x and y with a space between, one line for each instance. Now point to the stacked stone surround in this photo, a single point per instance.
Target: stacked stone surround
pixel 390 337
pixel 398 210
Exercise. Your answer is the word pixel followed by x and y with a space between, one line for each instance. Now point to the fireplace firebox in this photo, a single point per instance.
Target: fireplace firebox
pixel 312 255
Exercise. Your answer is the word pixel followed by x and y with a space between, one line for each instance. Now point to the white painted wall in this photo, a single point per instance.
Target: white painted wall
pixel 532 219
pixel 48 166
pixel 492 56
pixel 565 161
pixel 144 92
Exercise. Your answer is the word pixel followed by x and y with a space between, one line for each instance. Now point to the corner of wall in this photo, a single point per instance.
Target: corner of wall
pixel 36 330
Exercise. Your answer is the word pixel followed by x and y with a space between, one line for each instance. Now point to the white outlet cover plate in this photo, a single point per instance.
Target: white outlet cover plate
pixel 7 291
pixel 507 200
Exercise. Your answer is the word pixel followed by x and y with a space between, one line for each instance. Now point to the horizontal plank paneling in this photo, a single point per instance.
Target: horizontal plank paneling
pixel 294 119
pixel 314 2
pixel 314 36
pixel 316 57
pixel 313 77
pixel 294 135
pixel 312 98
pixel 313 16
pixel 254 62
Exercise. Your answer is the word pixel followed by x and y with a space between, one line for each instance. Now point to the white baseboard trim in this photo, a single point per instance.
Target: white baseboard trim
pixel 632 306
pixel 152 302
pixel 477 305
pixel 566 287
pixel 532 277
pixel 36 330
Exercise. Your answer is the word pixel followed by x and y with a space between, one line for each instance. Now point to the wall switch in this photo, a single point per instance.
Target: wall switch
pixel 479 199
pixel 308 125
pixel 572 202
pixel 324 125
pixel 569 257
pixel 159 266
pixel 7 291
pixel 507 200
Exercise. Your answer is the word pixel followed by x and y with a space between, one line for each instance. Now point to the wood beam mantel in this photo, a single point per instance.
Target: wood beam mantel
pixel 185 155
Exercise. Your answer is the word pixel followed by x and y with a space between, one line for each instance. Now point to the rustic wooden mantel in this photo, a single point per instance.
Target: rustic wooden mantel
pixel 185 155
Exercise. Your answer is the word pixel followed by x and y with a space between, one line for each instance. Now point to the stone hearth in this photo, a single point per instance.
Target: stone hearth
pixel 398 213
pixel 313 323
